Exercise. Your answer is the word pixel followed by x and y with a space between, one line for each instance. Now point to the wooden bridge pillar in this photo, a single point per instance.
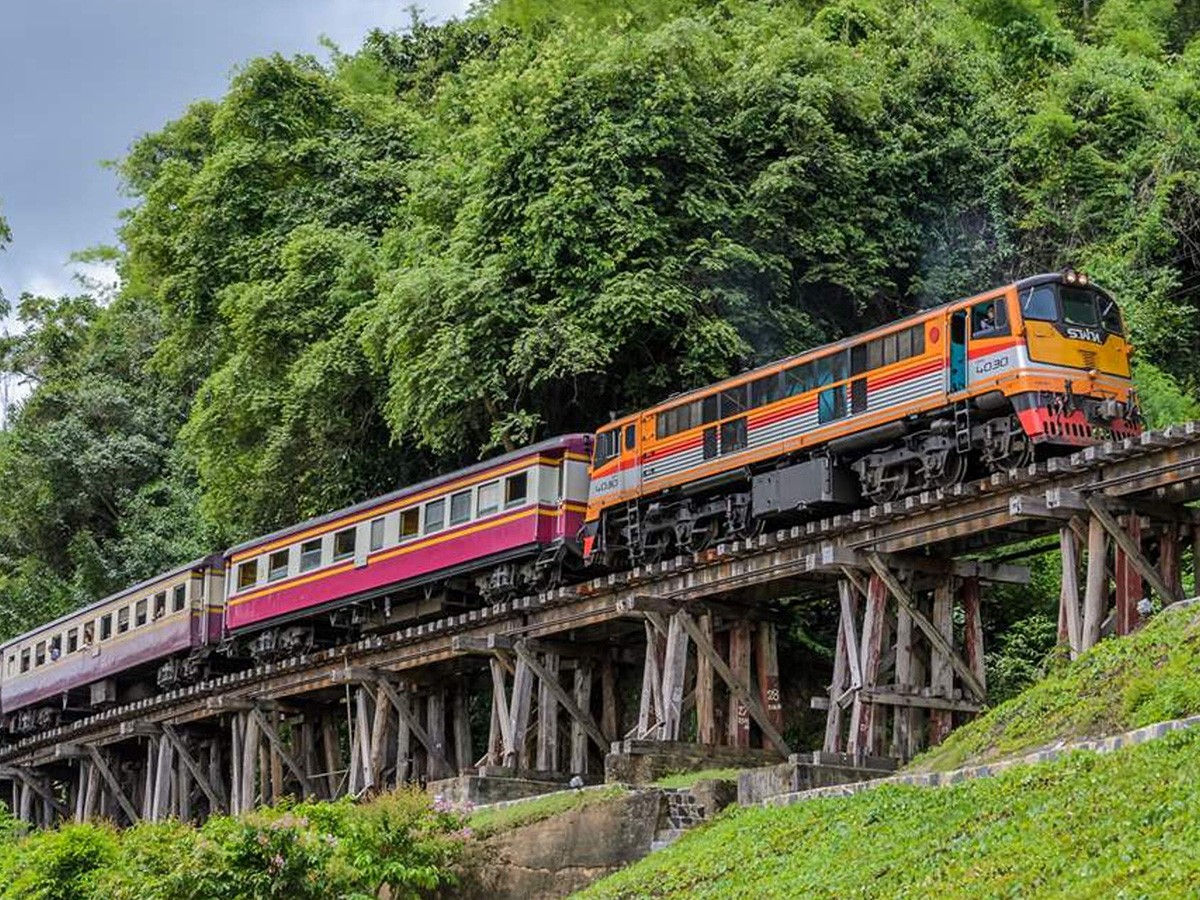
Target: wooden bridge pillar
pixel 895 672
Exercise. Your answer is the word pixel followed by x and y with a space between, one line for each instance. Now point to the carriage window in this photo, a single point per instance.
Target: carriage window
pixel 489 498
pixel 39 654
pixel 310 555
pixel 733 401
pixel 140 617
pixel 903 344
pixel 767 389
pixel 831 368
pixel 435 516
pixel 12 663
pixel 180 598
pixel 376 533
pixel 858 359
pixel 122 620
pixel 918 340
pixel 55 647
pixel 1039 303
pixel 277 565
pixel 858 396
pixel 831 404
pixel 160 604
pixel 630 437
pixel 72 640
pixel 247 574
pixel 673 421
pixel 515 489
pixel 106 627
pixel 733 436
pixel 799 379
pixel 410 523
pixel 25 660
pixel 343 543
pixel 460 507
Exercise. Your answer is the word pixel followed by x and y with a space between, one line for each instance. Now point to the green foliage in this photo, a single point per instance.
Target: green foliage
pixel 1034 831
pixel 397 842
pixel 1118 685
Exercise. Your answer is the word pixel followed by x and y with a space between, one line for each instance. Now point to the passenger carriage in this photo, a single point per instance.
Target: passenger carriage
pixel 153 634
pixel 502 526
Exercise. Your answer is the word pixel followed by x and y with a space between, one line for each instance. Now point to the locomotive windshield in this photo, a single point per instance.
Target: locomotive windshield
pixel 1082 307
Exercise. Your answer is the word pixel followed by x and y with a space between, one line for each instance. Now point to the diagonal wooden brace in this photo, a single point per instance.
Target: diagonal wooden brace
pixel 562 696
pixel 1131 550
pixel 931 633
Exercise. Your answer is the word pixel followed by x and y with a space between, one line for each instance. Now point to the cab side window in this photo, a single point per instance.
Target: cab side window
pixel 989 318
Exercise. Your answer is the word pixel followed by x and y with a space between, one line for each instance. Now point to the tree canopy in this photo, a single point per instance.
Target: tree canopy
pixel 348 273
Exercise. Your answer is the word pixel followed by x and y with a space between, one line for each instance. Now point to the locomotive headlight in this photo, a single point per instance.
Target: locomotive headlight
pixel 1083 279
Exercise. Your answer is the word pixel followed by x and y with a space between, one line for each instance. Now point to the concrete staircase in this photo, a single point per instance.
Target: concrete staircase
pixel 679 811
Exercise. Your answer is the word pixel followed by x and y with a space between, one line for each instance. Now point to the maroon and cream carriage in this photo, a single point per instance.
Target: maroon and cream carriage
pixel 154 634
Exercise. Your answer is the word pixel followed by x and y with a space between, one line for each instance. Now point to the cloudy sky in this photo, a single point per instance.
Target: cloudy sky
pixel 80 80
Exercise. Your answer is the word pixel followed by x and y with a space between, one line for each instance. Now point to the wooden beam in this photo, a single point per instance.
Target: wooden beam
pixel 706 701
pixel 502 739
pixel 1069 593
pixel 916 701
pixel 739 665
pixel 524 655
pixel 674 670
pixel 114 785
pixel 862 714
pixel 970 679
pixel 169 731
pixel 547 725
pixel 1131 549
pixel 1095 595
pixel 519 709
pixel 285 753
pixel 705 646
pixel 406 715
pixel 583 699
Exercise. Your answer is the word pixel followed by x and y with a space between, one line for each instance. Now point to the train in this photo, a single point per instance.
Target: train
pixel 1038 367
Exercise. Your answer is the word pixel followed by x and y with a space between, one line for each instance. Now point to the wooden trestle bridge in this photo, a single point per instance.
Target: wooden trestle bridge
pixel 698 633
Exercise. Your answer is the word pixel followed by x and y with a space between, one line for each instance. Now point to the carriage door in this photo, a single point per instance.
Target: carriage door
pixel 958 351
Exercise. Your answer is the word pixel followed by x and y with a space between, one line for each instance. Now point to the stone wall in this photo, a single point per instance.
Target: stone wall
pixel 641 762
pixel 806 771
pixel 562 854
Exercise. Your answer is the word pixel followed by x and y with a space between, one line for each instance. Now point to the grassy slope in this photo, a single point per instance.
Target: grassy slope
pixel 1117 686
pixel 1085 826
pixel 486 822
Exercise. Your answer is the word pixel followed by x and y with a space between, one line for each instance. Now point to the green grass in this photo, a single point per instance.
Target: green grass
pixel 687 779
pixel 1118 825
pixel 1118 685
pixel 486 822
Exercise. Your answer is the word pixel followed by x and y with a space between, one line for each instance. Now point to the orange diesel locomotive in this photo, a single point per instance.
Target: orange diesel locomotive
pixel 976 385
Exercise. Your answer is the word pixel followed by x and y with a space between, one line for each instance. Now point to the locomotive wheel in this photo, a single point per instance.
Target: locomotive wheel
pixel 954 472
pixel 892 489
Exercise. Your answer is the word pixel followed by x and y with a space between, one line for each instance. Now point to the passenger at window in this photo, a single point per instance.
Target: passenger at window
pixel 985 321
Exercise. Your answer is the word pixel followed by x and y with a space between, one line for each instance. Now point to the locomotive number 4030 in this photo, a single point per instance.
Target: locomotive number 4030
pixel 995 364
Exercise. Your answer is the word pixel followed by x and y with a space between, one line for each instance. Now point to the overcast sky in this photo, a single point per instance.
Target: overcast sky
pixel 80 80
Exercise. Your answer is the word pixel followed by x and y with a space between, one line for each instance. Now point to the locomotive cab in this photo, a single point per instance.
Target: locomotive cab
pixel 1077 359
